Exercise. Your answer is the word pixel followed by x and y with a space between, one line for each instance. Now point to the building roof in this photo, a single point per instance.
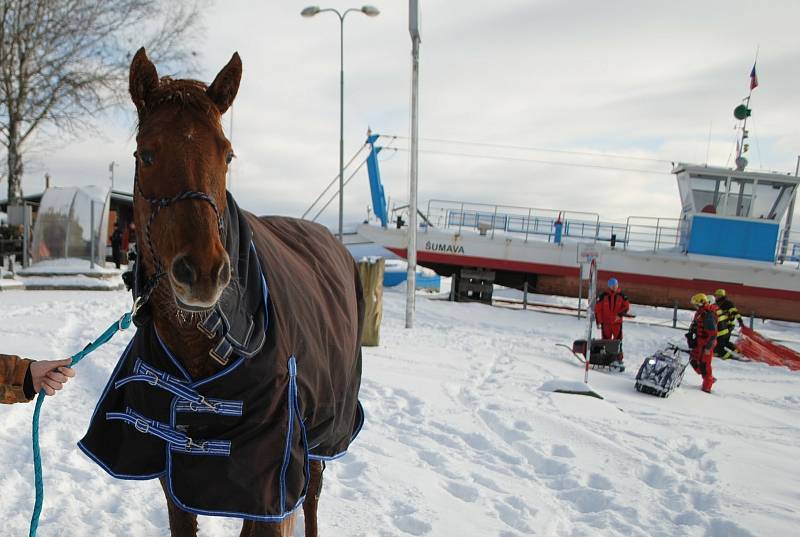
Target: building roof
pixel 118 197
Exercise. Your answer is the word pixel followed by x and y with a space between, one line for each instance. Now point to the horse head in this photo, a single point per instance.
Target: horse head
pixel 182 158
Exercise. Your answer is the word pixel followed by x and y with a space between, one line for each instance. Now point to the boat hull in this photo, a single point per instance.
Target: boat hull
pixel 665 279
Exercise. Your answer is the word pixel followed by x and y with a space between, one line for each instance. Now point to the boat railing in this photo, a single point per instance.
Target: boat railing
pixel 641 233
pixel 652 234
pixel 792 252
pixel 531 222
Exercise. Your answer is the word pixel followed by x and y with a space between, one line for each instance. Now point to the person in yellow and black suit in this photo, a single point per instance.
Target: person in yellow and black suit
pixel 727 317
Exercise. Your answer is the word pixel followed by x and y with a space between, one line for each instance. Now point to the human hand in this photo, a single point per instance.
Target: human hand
pixel 50 375
pixel 690 340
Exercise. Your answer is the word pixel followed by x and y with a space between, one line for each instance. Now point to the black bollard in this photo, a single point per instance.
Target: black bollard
pixel 675 315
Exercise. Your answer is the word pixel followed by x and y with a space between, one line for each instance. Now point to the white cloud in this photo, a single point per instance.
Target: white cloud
pixel 624 77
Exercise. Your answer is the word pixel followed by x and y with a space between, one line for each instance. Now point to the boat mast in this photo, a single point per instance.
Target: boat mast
pixel 742 112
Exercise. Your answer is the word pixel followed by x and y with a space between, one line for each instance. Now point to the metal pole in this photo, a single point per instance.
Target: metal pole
pixel 26 235
pixel 525 293
pixel 341 127
pixel 741 148
pixel 657 238
pixel 310 11
pixel 580 288
pixel 790 213
pixel 590 314
pixel 528 225
pixel 91 235
pixel 675 315
pixel 411 279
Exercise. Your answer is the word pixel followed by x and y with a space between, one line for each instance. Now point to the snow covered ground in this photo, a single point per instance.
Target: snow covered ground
pixel 67 266
pixel 460 439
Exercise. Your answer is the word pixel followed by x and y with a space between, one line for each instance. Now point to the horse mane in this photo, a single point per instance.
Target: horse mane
pixel 186 93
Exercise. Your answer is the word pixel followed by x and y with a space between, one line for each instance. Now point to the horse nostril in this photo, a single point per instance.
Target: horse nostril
pixel 182 271
pixel 224 272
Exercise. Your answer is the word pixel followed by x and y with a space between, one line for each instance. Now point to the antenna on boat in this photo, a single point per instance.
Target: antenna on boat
pixel 742 112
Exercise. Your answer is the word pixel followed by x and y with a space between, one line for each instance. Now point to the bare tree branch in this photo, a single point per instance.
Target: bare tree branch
pixel 63 61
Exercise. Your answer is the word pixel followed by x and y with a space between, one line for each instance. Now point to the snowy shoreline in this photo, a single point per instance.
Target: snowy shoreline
pixel 459 437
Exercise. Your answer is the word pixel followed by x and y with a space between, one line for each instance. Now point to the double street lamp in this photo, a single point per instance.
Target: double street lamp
pixel 369 11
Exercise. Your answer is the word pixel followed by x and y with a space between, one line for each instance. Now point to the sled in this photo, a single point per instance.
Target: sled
pixel 604 353
pixel 661 373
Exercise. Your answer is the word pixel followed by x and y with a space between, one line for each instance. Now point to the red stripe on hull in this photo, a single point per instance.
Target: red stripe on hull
pixel 629 278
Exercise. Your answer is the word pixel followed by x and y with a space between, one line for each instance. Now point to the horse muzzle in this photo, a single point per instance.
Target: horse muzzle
pixel 198 286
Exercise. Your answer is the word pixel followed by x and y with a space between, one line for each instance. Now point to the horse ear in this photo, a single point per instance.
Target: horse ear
pixel 223 90
pixel 143 79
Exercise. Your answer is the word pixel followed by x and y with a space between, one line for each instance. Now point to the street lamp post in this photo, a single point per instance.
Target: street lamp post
pixel 111 169
pixel 369 11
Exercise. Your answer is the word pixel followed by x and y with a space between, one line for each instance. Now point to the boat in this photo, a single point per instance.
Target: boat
pixel 733 232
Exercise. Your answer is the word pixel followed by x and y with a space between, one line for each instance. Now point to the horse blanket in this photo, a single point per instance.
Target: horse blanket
pixel 237 443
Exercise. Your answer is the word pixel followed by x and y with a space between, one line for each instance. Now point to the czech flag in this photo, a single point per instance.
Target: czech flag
pixel 753 78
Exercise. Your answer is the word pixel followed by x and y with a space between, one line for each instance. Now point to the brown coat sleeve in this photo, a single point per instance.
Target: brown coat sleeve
pixel 12 377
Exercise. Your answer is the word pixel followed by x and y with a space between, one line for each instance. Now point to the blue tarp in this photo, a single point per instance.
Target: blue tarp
pixel 375 185
pixel 390 279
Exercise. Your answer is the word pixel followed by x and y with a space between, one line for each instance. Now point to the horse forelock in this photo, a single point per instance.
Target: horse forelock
pixel 185 93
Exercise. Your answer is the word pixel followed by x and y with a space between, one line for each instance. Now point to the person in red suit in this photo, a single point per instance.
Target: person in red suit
pixel 609 310
pixel 702 338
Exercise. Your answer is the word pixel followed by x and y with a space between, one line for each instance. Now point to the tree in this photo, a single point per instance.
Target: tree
pixel 63 61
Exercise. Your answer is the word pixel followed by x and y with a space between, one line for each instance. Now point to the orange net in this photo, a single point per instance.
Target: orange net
pixel 756 347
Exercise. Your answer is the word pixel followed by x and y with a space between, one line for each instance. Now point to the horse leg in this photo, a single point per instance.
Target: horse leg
pixel 181 523
pixel 312 497
pixel 285 528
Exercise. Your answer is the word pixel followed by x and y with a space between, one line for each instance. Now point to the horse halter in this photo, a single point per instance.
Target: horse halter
pixel 156 204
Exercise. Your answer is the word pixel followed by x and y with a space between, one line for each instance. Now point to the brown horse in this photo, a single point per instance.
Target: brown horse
pixel 190 263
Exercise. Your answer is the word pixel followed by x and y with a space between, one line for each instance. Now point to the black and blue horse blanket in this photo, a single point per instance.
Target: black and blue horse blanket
pixel 237 443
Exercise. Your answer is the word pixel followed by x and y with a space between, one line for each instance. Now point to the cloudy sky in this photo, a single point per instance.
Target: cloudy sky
pixel 639 79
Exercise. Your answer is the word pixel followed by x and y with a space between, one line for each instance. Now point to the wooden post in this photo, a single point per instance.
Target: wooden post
pixel 371 273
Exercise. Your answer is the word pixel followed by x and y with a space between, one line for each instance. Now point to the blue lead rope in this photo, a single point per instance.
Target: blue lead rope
pixel 123 323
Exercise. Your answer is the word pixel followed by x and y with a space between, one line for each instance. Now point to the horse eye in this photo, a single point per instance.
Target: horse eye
pixel 229 157
pixel 147 157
